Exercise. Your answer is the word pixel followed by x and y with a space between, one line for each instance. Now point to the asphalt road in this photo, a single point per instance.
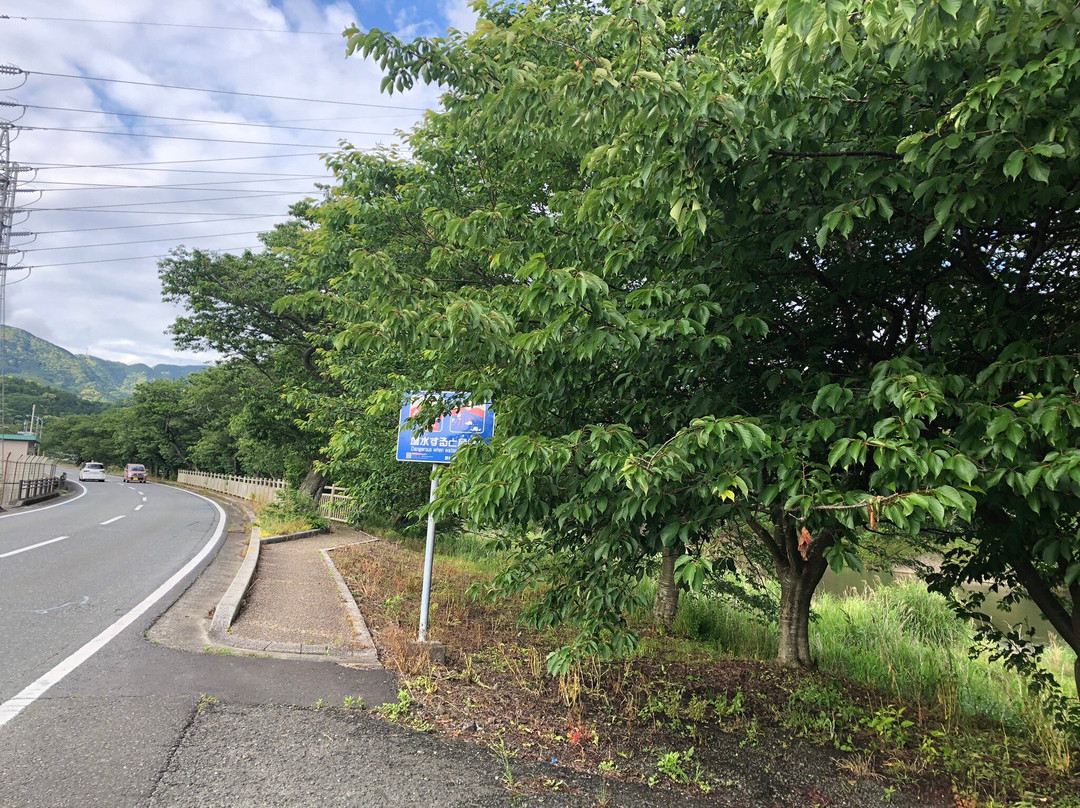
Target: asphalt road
pixel 91 713
pixel 69 572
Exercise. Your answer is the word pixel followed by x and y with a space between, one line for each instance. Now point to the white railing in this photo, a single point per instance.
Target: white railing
pixel 23 476
pixel 259 490
pixel 334 503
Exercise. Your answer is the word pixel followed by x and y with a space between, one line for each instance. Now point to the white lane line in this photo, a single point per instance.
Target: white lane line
pixel 32 546
pixel 138 507
pixel 46 507
pixel 114 519
pixel 32 692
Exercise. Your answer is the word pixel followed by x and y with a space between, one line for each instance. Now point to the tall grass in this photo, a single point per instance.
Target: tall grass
pixel 902 640
pixel 727 626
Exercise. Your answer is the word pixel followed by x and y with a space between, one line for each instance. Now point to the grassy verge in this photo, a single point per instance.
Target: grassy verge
pixel 898 707
pixel 292 512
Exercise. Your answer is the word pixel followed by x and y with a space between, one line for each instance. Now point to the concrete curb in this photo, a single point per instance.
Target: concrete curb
pixel 361 654
pixel 363 644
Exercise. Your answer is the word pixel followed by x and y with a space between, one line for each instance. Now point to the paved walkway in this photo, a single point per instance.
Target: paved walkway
pixel 295 602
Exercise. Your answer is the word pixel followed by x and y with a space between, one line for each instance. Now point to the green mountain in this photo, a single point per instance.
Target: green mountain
pixel 30 357
pixel 23 398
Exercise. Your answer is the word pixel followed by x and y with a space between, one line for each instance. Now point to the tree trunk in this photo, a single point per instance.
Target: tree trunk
pixel 799 561
pixel 667 594
pixel 797 585
pixel 313 483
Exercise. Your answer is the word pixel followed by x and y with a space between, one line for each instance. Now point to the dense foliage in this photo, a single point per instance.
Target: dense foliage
pixel 800 268
pixel 225 419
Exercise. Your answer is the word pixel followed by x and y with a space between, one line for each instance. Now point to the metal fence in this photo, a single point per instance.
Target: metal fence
pixel 25 477
pixel 334 503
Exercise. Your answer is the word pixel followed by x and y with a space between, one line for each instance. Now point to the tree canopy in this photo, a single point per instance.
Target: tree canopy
pixel 800 268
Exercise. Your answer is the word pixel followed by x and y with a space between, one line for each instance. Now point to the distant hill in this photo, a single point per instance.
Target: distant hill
pixel 23 398
pixel 87 377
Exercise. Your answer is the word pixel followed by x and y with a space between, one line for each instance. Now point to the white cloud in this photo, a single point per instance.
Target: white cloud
pixel 95 289
pixel 30 320
pixel 460 15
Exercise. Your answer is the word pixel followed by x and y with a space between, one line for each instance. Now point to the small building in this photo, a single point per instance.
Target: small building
pixel 20 445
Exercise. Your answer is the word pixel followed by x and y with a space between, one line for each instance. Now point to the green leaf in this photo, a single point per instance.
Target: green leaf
pixel 964 468
pixel 1014 164
pixel 1037 169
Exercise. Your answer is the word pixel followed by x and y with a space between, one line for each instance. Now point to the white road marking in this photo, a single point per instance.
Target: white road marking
pixel 138 507
pixel 32 547
pixel 32 692
pixel 114 519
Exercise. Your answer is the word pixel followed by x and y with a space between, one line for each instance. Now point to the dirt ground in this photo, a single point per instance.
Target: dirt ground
pixel 694 728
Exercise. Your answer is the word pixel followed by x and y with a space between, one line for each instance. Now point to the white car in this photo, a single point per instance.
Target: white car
pixel 92 472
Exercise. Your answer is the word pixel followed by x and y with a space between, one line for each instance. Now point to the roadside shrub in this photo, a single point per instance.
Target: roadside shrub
pixel 291 513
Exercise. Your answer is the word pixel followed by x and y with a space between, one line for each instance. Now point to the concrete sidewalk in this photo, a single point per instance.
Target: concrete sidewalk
pixel 288 600
pixel 298 604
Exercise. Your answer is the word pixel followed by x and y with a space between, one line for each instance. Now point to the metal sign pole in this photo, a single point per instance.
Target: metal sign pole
pixel 429 560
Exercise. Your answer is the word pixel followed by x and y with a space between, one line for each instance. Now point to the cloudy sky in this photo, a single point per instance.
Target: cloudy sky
pixel 126 166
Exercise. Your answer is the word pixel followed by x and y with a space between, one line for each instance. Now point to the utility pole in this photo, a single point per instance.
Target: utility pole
pixel 9 175
pixel 8 183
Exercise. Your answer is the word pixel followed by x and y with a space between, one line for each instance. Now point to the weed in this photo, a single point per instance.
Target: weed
pixel 752 733
pixel 354 703
pixel 890 725
pixel 215 649
pixel 504 755
pixel 396 710
pixel 697 708
pixel 859 765
pixel 602 796
pixel 726 708
pixel 822 712
pixel 292 512
pixel 319 704
pixel 672 763
pixel 675 766
pixel 205 701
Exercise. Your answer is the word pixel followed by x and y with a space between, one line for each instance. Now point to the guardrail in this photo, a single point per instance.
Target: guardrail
pixel 334 503
pixel 25 477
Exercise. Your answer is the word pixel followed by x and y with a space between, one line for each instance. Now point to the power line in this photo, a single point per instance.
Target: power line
pixel 193 120
pixel 173 25
pixel 193 186
pixel 158 224
pixel 139 167
pixel 252 195
pixel 160 212
pixel 46 166
pixel 140 241
pixel 129 258
pixel 221 92
pixel 174 137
